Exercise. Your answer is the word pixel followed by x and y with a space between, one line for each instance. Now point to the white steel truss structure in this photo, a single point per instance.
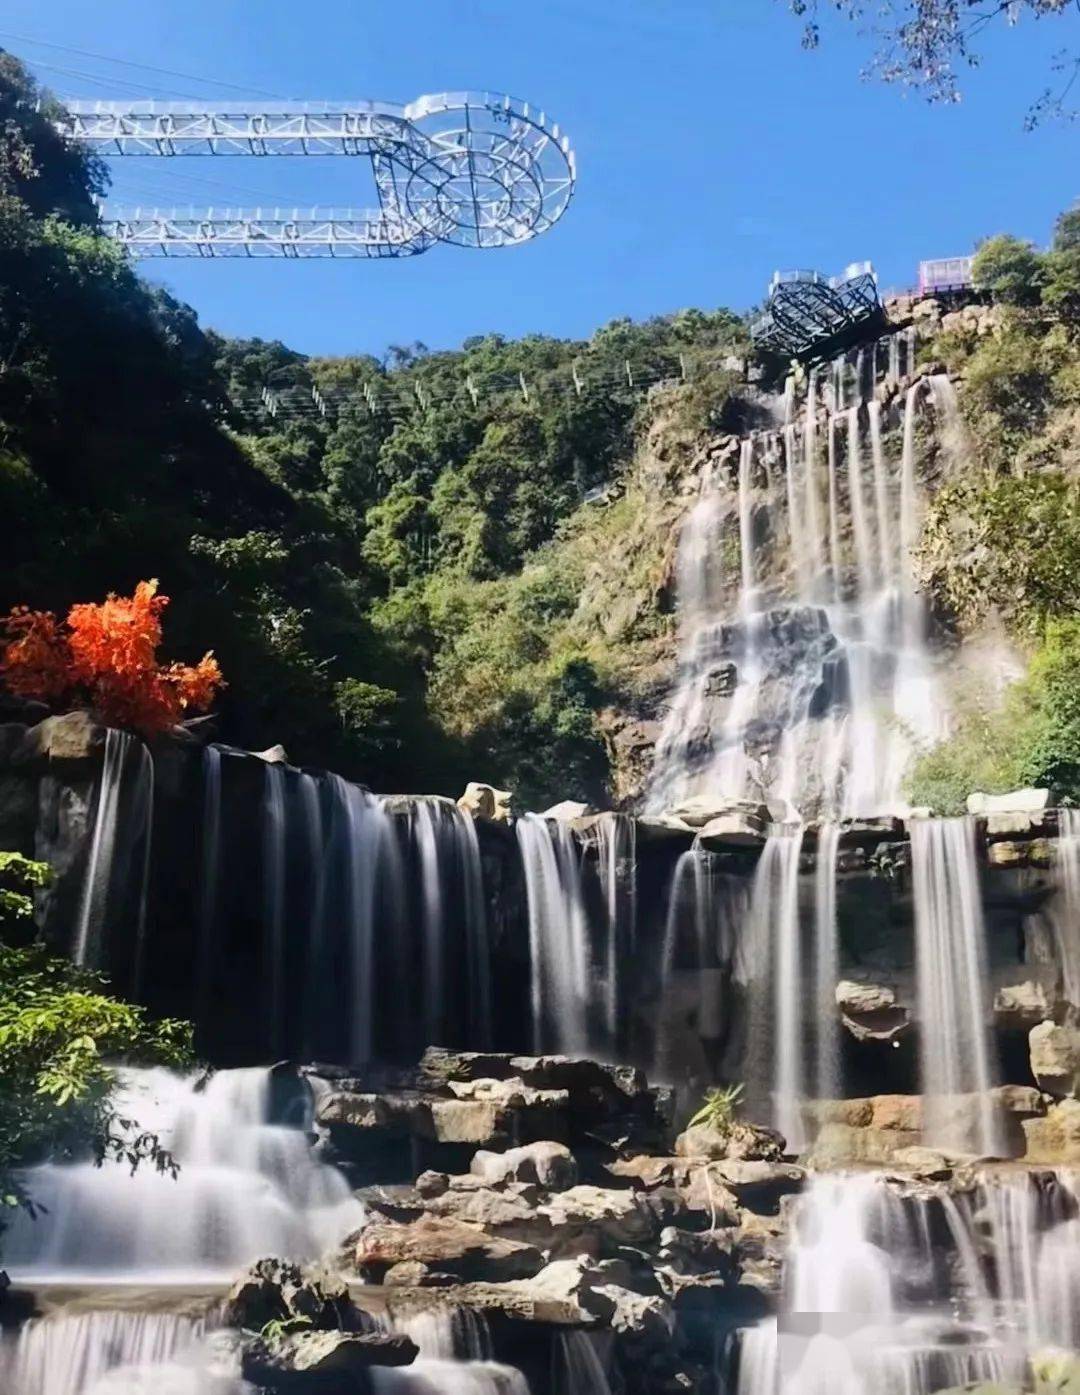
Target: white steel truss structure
pixel 476 169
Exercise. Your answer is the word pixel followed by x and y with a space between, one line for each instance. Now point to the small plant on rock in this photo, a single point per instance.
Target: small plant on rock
pixel 274 1332
pixel 718 1110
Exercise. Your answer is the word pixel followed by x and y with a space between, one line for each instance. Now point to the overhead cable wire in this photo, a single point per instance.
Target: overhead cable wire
pixel 144 67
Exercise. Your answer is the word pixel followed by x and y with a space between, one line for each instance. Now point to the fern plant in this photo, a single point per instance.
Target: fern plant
pixel 718 1109
pixel 276 1330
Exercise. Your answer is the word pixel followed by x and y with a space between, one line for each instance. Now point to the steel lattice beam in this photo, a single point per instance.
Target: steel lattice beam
pixel 808 314
pixel 475 169
pixel 297 233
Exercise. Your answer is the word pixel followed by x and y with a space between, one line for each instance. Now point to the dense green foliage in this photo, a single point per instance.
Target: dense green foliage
pixel 368 577
pixel 1028 735
pixel 1002 538
pixel 58 1033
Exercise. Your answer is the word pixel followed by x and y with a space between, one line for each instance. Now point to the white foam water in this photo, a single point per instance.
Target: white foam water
pixel 812 686
pixel 247 1187
pixel 119 1353
pixel 956 1056
pixel 558 934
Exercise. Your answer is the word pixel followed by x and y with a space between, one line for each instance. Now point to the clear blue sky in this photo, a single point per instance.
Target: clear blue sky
pixel 711 150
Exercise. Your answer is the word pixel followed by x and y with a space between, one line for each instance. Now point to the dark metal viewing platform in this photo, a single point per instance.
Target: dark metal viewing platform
pixel 809 316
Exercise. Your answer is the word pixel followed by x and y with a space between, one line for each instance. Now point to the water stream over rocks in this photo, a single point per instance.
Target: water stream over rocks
pixel 899 995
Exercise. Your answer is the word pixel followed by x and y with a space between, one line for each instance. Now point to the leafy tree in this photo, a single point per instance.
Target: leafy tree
pixel 104 657
pixel 367 714
pixel 1061 289
pixel 1027 735
pixel 1010 542
pixel 923 43
pixel 58 1033
pixel 37 166
pixel 19 878
pixel 1010 269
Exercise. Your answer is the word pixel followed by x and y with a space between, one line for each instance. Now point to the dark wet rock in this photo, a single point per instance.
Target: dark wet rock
pixel 324 1363
pixel 273 1290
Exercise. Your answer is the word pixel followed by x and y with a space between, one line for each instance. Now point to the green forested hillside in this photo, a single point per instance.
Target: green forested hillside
pixel 373 580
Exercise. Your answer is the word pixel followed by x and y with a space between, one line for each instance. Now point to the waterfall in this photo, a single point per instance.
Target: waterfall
pixel 1064 910
pixel 953 1011
pixel 834 1265
pixel 811 686
pixel 209 878
pixel 705 907
pixel 119 856
pixel 112 1353
pixel 558 934
pixel 827 1078
pixel 778 1022
pixel 274 912
pixel 448 1332
pixel 431 1377
pixel 440 890
pixel 577 1365
pixel 248 1186
pixel 615 840
pixel 789 962
pixel 870 1304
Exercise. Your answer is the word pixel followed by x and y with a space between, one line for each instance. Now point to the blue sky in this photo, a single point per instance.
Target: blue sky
pixel 711 150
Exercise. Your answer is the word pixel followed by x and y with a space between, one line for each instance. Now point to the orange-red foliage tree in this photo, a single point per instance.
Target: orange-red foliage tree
pixel 104 657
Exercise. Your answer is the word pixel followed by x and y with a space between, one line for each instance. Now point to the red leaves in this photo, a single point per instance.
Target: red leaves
pixel 105 657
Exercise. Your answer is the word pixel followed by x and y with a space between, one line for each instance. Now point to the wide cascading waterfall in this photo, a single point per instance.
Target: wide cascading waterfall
pixel 892 1291
pixel 810 689
pixel 372 938
pixel 868 1305
pixel 247 1186
pixel 116 880
pixel 116 1353
pixel 956 1058
pixel 558 934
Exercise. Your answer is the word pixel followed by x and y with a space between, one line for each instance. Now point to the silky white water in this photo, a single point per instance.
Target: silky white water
pixel 246 1188
pixel 439 847
pixel 956 1057
pixel 806 678
pixel 118 1353
pixel 889 1294
pixel 118 862
pixel 558 935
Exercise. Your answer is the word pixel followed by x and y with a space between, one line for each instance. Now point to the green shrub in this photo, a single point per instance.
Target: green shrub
pixel 718 1110
pixel 1029 735
pixel 1010 268
pixel 58 1034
